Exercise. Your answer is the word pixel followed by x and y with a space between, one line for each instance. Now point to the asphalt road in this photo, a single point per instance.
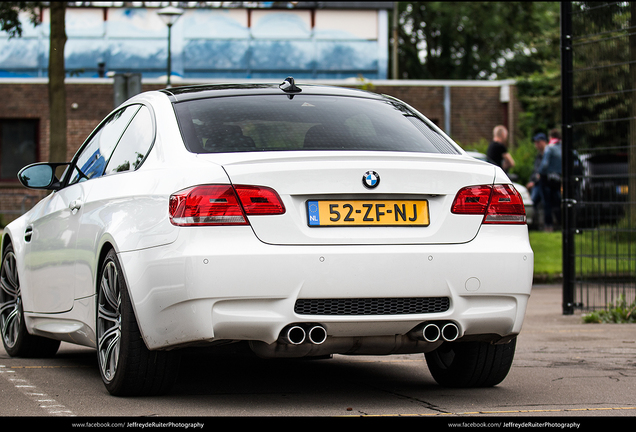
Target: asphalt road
pixel 563 369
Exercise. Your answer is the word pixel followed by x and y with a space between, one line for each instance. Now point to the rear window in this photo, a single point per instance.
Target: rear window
pixel 304 122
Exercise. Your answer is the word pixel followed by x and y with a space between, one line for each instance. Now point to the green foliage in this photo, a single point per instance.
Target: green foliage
pixel 474 40
pixel 9 16
pixel 524 155
pixel 619 312
pixel 539 89
pixel 480 146
pixel 604 74
pixel 540 97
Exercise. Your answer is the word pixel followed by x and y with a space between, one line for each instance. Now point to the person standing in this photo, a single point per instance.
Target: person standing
pixel 550 171
pixel 534 184
pixel 498 150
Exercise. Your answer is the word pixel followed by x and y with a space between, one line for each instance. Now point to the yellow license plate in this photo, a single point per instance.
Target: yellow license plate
pixel 368 213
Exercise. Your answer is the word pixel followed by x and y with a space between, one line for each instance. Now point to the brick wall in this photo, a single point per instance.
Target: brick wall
pixel 475 110
pixel 87 105
pixel 427 100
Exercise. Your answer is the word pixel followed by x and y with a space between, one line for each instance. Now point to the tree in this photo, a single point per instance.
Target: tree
pixel 10 22
pixel 57 89
pixel 473 40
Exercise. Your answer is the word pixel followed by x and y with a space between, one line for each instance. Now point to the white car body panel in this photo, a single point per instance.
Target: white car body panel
pixel 56 227
pixel 196 290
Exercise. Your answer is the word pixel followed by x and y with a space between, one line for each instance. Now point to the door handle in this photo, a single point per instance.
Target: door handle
pixel 28 233
pixel 75 205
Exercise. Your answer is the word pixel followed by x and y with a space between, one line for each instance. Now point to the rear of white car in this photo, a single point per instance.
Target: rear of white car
pixel 318 251
pixel 306 222
pixel 247 278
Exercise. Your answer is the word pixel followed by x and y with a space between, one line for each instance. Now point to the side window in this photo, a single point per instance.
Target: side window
pixel 92 159
pixel 134 145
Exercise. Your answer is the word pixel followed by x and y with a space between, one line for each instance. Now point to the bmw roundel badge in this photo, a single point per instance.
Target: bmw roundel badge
pixel 371 179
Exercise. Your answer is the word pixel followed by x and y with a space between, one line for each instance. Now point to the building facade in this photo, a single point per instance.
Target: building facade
pixel 317 40
pixel 335 43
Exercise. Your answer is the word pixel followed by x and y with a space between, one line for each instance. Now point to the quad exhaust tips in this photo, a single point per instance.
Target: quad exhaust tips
pixel 316 334
pixel 297 334
pixel 432 332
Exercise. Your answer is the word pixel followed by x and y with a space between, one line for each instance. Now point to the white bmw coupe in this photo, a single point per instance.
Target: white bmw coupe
pixel 302 221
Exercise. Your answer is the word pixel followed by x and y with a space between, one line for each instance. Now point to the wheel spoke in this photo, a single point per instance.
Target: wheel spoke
pixel 6 307
pixel 11 327
pixel 107 315
pixel 8 289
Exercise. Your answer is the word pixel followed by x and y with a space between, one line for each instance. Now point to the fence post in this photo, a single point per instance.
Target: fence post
pixel 567 160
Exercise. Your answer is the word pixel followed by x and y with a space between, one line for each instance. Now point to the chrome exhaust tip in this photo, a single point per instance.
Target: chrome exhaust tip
pixel 431 333
pixel 450 332
pixel 294 335
pixel 317 335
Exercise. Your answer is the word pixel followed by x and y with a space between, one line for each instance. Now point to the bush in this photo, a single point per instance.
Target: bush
pixel 621 312
pixel 480 146
pixel 524 155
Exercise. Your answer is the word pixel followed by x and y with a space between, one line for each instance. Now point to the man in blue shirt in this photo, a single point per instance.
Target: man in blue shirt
pixel 534 184
pixel 550 171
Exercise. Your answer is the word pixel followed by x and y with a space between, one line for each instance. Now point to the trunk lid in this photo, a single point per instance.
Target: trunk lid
pixel 305 179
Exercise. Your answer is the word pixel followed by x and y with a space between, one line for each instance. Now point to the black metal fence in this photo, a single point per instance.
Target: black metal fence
pixel 598 46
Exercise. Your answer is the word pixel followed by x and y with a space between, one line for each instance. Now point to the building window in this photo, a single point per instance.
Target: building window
pixel 18 146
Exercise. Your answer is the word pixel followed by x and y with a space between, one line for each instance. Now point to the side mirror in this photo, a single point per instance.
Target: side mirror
pixel 40 176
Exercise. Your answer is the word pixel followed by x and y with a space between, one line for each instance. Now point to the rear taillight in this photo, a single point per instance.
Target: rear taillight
pixel 500 204
pixel 259 200
pixel 222 204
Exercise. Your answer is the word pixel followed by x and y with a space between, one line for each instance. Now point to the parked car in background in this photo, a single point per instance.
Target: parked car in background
pixel 602 189
pixel 301 221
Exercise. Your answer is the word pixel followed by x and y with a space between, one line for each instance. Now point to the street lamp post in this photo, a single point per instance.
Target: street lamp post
pixel 169 15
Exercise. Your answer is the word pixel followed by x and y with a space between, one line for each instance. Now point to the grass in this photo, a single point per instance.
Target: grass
pixel 599 254
pixel 547 255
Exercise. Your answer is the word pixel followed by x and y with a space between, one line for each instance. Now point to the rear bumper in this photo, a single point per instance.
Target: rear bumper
pixel 215 285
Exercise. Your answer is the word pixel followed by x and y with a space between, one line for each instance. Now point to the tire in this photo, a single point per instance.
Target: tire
pixel 471 364
pixel 126 365
pixel 16 339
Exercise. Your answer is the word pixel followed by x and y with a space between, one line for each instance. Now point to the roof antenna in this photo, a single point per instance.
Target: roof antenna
pixel 289 86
